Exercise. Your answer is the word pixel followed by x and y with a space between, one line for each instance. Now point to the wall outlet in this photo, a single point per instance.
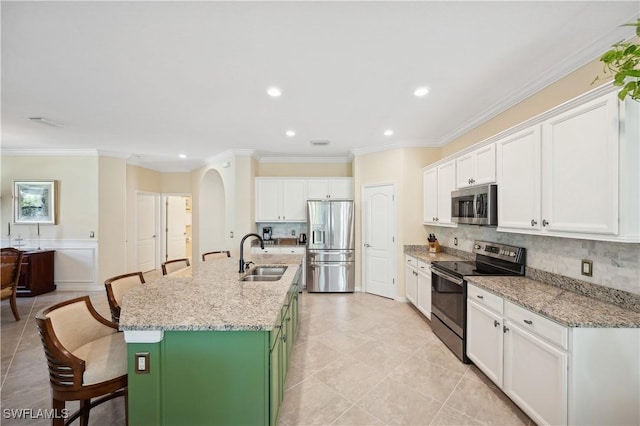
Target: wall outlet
pixel 587 268
pixel 142 362
pixel 293 232
pixel 455 241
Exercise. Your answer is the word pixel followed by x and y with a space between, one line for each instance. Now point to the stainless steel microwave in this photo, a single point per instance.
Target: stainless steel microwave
pixel 475 206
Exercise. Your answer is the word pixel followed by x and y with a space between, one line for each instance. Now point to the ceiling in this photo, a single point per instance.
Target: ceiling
pixel 148 81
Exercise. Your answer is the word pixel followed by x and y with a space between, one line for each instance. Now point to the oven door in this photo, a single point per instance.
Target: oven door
pixel 448 299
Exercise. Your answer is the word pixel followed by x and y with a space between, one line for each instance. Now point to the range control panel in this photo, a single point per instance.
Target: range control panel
pixel 499 251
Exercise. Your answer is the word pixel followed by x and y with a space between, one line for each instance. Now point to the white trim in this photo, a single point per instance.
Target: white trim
pixel 10 152
pixel 571 103
pixel 143 336
pixel 305 159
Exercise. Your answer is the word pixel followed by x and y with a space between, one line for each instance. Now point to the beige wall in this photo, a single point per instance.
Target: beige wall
pixel 403 168
pixel 568 87
pixel 77 194
pixel 175 183
pixel 112 231
pixel 304 169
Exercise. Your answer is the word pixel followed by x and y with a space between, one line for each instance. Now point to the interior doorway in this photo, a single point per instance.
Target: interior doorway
pixel 177 227
pixel 378 237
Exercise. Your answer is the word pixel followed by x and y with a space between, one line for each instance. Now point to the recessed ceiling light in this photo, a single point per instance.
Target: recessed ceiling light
pixel 290 133
pixel 421 91
pixel 388 132
pixel 274 92
pixel 182 155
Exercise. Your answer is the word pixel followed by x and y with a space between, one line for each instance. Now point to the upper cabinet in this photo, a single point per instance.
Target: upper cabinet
pixel 476 167
pixel 285 199
pixel 280 200
pixel 438 182
pixel 573 175
pixel 330 188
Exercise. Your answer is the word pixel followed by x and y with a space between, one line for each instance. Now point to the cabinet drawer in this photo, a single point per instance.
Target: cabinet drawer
pixel 411 261
pixel 424 267
pixel 536 324
pixel 485 298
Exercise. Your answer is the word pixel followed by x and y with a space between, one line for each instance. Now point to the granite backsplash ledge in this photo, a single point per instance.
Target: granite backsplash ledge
pixel 614 296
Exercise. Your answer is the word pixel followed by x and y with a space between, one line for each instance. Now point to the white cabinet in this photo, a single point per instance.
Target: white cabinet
pixel 476 167
pixel 411 279
pixel 555 374
pixel 330 188
pixel 572 175
pixel 580 169
pixel 280 200
pixel 424 289
pixel 438 182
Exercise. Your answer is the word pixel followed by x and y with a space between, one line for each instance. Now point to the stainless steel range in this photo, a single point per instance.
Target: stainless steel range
pixel 449 289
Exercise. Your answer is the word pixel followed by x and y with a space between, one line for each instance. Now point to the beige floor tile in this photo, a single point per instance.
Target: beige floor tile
pixel 355 416
pixel 429 379
pixel 312 403
pixel 381 355
pixel 447 416
pixel 343 342
pixel 436 352
pixel 397 404
pixel 485 403
pixel 350 377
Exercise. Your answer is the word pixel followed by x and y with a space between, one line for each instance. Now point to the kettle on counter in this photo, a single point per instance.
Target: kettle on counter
pixel 303 239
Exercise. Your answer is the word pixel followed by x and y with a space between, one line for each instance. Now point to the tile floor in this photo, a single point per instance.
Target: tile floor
pixel 358 360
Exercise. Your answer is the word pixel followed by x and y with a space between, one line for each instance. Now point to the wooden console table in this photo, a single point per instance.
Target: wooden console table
pixel 36 276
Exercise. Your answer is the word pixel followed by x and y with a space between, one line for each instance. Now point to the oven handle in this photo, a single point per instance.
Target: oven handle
pixel 448 277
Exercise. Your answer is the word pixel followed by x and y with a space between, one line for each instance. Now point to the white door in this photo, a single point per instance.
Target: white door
pixel 378 220
pixel 176 230
pixel 146 232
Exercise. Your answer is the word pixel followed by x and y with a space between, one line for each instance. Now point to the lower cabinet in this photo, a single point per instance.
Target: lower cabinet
pixel 557 375
pixel 418 284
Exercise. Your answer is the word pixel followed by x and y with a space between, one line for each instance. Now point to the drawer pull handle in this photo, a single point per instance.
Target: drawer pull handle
pixel 528 322
pixel 496 323
pixel 480 297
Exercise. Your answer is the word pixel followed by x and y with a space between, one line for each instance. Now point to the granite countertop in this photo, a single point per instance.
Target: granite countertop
pixel 422 253
pixel 212 298
pixel 563 306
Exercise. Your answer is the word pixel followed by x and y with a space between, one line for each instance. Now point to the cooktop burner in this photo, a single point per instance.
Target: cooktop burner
pixel 470 268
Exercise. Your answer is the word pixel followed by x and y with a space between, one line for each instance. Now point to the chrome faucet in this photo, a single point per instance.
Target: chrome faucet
pixel 242 264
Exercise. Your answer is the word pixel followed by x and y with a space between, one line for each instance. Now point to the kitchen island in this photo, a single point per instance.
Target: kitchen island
pixel 209 348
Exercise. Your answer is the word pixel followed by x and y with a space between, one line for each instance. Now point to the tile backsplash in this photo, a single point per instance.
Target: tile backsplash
pixel 615 265
pixel 284 230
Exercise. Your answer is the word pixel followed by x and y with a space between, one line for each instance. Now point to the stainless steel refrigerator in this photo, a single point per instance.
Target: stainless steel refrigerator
pixel 330 246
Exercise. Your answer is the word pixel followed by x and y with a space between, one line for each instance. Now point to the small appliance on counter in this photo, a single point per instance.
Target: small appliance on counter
pixel 267 232
pixel 302 239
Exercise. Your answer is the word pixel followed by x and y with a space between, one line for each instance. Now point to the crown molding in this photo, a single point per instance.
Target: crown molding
pixel 49 152
pixel 347 159
pixel 397 145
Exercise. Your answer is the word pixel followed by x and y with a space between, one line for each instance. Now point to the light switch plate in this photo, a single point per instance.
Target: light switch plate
pixel 142 362
pixel 587 267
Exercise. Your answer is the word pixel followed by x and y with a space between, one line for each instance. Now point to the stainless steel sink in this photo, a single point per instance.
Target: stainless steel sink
pixel 264 273
pixel 267 270
pixel 261 278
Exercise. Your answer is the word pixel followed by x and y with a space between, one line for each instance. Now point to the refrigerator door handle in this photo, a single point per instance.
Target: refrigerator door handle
pixel 317 237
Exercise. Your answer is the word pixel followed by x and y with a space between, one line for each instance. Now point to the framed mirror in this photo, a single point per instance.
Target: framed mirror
pixel 34 201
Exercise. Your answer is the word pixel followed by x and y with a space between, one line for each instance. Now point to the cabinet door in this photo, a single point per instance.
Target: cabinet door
pixel 430 195
pixel 294 200
pixel 424 289
pixel 465 170
pixel 580 169
pixel 485 165
pixel 318 189
pixel 411 284
pixel 342 189
pixel 268 200
pixel 535 376
pixel 446 184
pixel 518 177
pixel 484 341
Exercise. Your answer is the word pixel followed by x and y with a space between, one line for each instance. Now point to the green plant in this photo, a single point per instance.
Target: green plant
pixel 623 61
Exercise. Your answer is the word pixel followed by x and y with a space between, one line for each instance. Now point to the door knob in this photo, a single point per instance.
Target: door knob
pixel 367 245
pixel 544 222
